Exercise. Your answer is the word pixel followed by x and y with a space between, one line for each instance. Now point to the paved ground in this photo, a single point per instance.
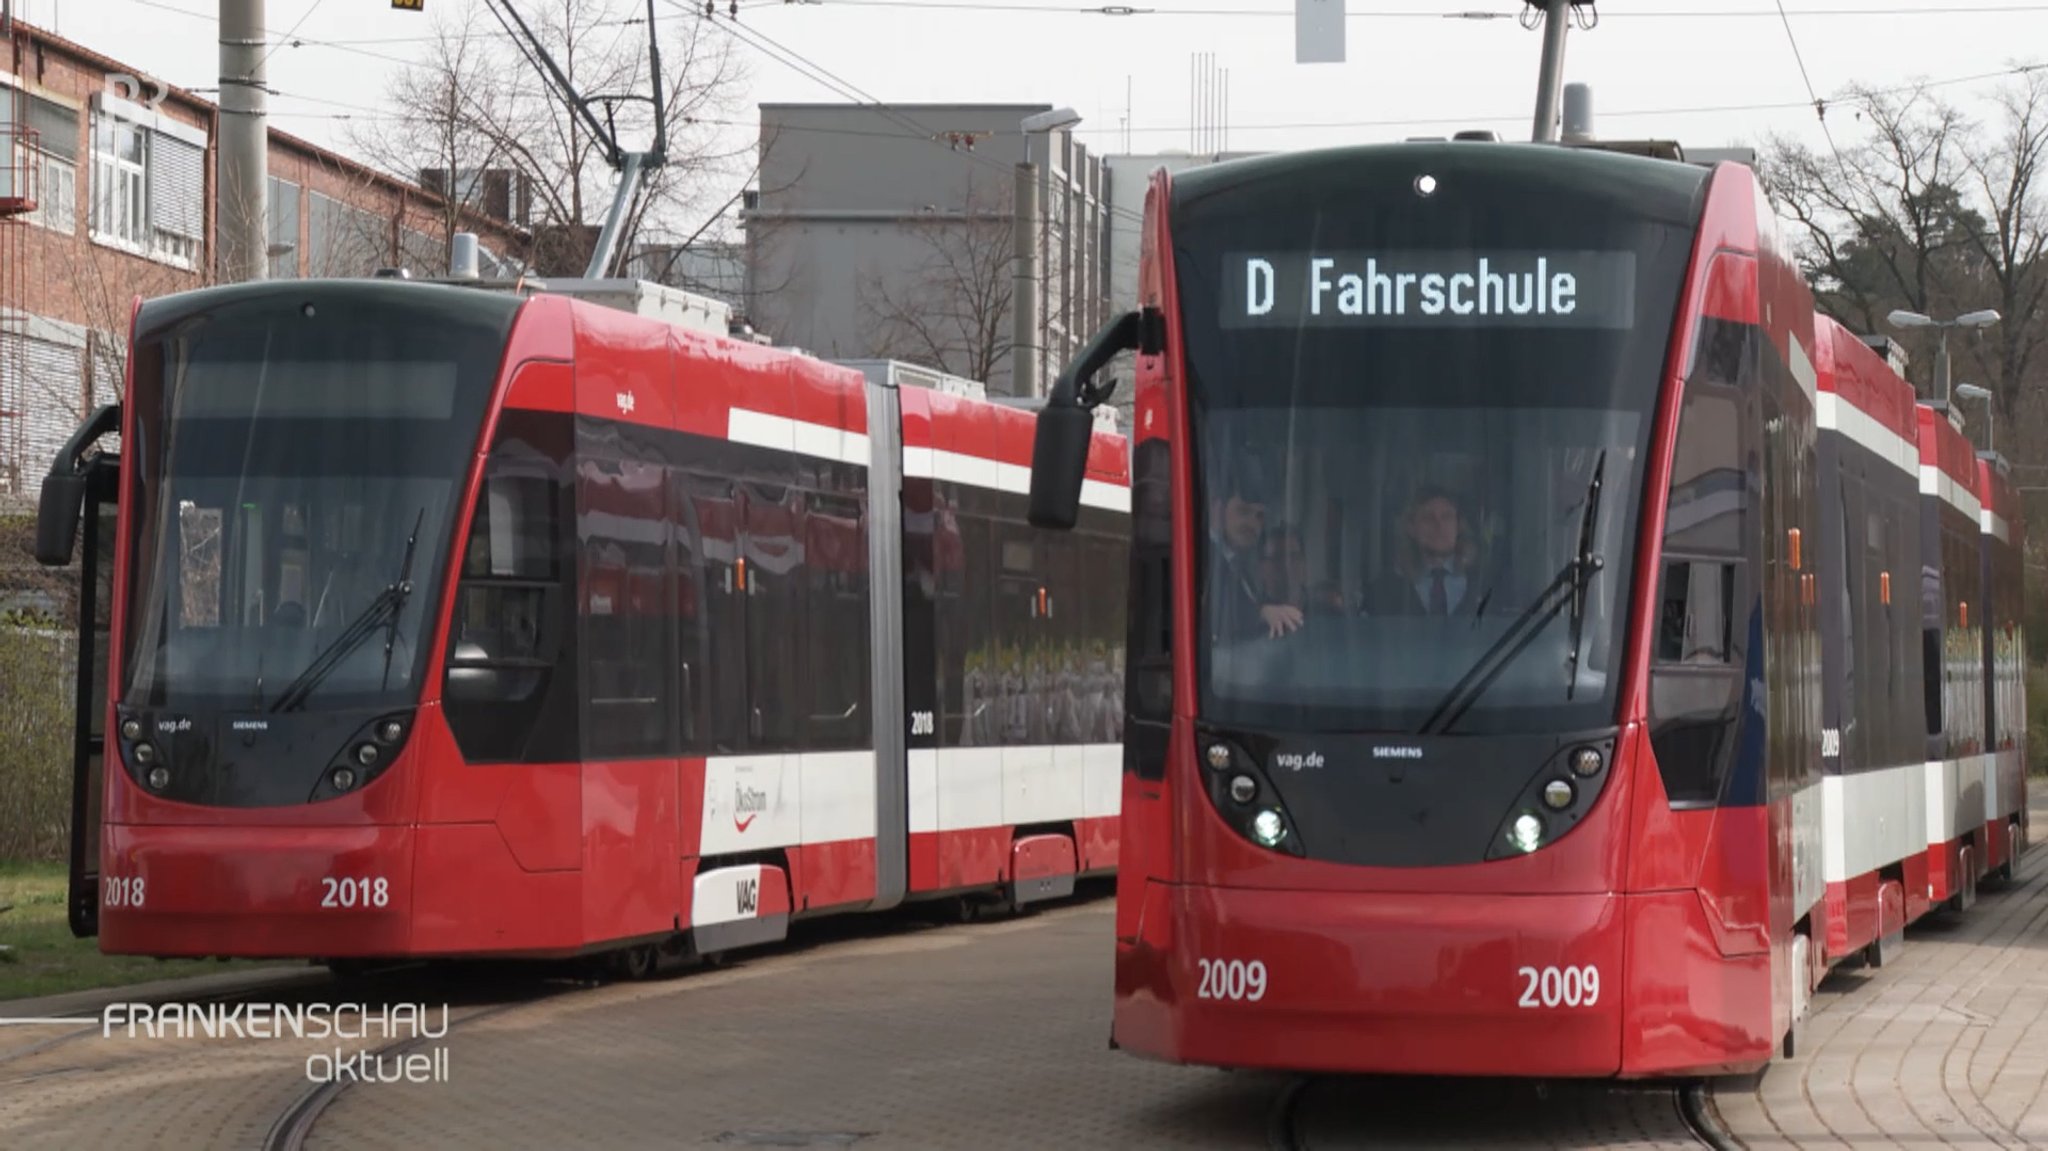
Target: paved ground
pixel 1945 1047
pixel 994 1036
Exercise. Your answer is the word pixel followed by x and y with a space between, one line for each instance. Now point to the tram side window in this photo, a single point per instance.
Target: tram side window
pixel 510 685
pixel 1695 681
pixel 692 617
pixel 778 656
pixel 1696 623
pixel 626 603
pixel 965 614
pixel 1064 638
pixel 1108 581
pixel 836 558
pixel 1020 599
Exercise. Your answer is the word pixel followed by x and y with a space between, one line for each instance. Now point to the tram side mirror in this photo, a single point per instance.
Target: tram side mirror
pixel 63 501
pixel 468 683
pixel 63 498
pixel 1066 429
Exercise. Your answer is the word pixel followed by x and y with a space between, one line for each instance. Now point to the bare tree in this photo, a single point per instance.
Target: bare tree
pixel 1932 213
pixel 951 309
pixel 457 95
pixel 481 102
pixel 2005 171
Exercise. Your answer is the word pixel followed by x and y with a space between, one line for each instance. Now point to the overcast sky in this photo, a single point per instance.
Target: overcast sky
pixel 1706 72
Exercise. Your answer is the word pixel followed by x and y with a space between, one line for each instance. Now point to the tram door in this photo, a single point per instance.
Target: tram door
pixel 89 741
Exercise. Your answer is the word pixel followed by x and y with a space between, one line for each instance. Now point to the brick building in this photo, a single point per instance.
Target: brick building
pixel 122 174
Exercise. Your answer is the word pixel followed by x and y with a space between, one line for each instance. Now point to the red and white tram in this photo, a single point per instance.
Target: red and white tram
pixel 434 621
pixel 1651 649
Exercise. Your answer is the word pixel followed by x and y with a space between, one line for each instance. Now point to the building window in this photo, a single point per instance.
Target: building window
pixel 284 229
pixel 148 184
pixel 55 153
pixel 343 240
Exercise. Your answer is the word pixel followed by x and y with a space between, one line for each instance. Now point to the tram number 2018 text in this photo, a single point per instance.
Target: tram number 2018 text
pixel 1559 986
pixel 1232 979
pixel 352 892
pixel 124 891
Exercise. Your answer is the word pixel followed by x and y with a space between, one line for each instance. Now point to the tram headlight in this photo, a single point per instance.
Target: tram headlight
pixel 1268 828
pixel 343 778
pixel 131 730
pixel 1526 834
pixel 366 754
pixel 1219 756
pixel 390 730
pixel 1586 762
pixel 1244 788
pixel 1557 794
pixel 145 754
pixel 159 778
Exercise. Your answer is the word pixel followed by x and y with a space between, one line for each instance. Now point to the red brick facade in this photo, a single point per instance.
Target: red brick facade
pixel 123 170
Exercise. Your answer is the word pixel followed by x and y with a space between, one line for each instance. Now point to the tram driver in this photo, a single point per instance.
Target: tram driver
pixel 1434 571
pixel 1242 609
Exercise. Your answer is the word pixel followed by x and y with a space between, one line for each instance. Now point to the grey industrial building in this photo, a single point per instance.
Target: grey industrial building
pixel 888 232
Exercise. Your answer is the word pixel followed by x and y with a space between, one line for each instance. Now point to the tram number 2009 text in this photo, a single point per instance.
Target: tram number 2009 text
pixel 352 892
pixel 1232 979
pixel 1559 986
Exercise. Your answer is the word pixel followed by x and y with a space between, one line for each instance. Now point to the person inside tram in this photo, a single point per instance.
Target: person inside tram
pixel 1241 609
pixel 1286 577
pixel 1434 566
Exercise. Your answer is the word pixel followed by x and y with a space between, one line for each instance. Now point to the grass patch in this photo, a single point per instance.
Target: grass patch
pixel 46 960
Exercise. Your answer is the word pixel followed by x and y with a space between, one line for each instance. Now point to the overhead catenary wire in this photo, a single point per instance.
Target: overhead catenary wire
pixel 1403 122
pixel 1820 106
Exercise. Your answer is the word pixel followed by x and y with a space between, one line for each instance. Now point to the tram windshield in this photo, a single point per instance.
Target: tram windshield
pixel 297 455
pixel 1412 414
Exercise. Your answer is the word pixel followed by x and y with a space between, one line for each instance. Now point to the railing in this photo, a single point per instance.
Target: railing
pixel 20 169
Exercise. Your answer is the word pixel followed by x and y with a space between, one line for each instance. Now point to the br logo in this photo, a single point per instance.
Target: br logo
pixel 131 88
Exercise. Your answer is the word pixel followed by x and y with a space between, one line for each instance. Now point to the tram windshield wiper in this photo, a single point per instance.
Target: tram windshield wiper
pixel 379 612
pixel 1567 587
pixel 1584 565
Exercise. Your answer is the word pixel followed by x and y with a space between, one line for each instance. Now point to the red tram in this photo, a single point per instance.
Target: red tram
pixel 1651 650
pixel 436 621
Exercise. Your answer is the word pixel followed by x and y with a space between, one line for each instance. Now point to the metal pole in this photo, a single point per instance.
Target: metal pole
pixel 1550 77
pixel 608 239
pixel 1941 381
pixel 1024 291
pixel 241 184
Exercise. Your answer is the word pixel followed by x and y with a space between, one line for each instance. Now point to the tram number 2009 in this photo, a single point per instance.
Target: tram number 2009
pixel 1232 979
pixel 352 892
pixel 1559 986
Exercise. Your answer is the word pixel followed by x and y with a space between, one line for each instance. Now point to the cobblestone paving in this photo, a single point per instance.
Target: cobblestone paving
pixel 1944 1047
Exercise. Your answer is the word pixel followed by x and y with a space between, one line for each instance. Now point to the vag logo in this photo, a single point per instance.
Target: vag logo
pixel 1397 753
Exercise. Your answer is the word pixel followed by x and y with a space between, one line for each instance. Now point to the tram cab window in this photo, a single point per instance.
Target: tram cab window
pixel 510 687
pixel 1358 564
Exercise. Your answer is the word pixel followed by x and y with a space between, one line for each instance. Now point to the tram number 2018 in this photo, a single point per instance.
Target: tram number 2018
pixel 921 723
pixel 1232 979
pixel 123 891
pixel 1559 986
pixel 352 892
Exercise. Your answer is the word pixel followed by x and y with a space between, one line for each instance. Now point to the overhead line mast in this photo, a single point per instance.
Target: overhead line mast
pixel 634 168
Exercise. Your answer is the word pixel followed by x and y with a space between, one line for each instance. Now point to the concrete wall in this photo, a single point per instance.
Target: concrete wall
pixel 887 233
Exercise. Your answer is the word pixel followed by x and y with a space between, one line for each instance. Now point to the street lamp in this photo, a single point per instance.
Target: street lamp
pixel 1973 392
pixel 1902 318
pixel 1024 338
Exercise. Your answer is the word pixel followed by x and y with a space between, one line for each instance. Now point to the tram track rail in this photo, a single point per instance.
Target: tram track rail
pixel 1691 1104
pixel 294 1125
